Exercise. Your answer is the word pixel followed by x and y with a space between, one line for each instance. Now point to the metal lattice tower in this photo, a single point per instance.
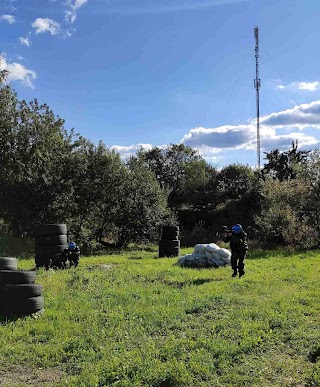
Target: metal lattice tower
pixel 257 87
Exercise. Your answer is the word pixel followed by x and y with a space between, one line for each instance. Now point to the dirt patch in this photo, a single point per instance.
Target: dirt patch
pixel 27 376
pixel 106 267
pixel 103 266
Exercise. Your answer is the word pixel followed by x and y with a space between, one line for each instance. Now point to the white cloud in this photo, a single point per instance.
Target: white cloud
pixel 25 41
pixel 223 137
pixel 311 86
pixel 277 131
pixel 127 151
pixel 71 14
pixel 230 137
pixel 46 25
pixel 8 18
pixel 308 86
pixel 18 72
pixel 301 116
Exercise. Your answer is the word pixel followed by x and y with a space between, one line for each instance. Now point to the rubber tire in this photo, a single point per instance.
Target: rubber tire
pixel 170 235
pixel 8 263
pixel 170 228
pixel 20 290
pixel 51 229
pixel 22 306
pixel 47 258
pixel 50 240
pixel 169 243
pixel 17 277
pixel 51 249
pixel 42 260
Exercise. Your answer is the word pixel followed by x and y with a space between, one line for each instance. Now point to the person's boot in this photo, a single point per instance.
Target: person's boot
pixel 241 274
pixel 234 274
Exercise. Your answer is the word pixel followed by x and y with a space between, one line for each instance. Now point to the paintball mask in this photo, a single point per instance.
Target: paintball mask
pixel 236 229
pixel 72 246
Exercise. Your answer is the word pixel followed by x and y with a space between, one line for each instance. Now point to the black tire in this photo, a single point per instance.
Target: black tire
pixel 51 249
pixel 20 291
pixel 22 306
pixel 8 263
pixel 49 240
pixel 170 228
pixel 42 260
pixel 172 235
pixel 52 259
pixel 51 229
pixel 17 277
pixel 57 258
pixel 169 243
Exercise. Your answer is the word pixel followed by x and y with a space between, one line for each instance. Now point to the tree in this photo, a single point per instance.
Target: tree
pixel 283 219
pixel 234 181
pixel 32 143
pixel 93 178
pixel 171 166
pixel 142 205
pixel 284 165
pixel 3 72
pixel 311 175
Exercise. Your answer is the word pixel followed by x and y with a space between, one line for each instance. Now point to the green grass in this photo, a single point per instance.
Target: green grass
pixel 134 320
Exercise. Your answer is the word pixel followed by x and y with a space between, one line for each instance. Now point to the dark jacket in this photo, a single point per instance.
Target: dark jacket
pixel 75 253
pixel 238 242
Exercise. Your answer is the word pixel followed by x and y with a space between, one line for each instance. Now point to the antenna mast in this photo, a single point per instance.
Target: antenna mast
pixel 257 87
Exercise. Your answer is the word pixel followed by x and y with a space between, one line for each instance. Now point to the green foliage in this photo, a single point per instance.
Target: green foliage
pixel 234 181
pixel 285 165
pixel 147 322
pixel 179 169
pixel 283 219
pixel 15 247
pixel 142 205
pixel 32 145
pixel 3 73
pixel 198 234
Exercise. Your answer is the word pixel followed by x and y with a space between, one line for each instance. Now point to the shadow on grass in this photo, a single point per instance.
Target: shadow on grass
pixel 6 319
pixel 195 282
pixel 314 355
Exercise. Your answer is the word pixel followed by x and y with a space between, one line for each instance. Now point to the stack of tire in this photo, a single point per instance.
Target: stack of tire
pixel 50 241
pixel 19 294
pixel 169 244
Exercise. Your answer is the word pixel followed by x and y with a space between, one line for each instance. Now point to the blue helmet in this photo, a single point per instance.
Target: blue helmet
pixel 236 229
pixel 72 245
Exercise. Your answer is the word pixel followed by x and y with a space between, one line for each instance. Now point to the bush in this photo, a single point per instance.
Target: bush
pixel 199 234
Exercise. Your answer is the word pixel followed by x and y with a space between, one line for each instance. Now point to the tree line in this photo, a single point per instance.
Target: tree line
pixel 51 175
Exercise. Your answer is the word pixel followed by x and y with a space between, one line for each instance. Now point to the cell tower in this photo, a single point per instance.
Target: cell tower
pixel 257 87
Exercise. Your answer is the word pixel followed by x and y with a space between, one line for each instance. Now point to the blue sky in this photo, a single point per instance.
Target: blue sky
pixel 155 72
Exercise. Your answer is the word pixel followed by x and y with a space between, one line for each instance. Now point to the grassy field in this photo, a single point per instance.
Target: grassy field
pixel 133 320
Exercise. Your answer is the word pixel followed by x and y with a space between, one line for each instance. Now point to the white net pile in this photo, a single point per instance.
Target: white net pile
pixel 206 255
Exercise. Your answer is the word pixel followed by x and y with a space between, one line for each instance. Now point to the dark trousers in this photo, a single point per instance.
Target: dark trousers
pixel 237 260
pixel 73 259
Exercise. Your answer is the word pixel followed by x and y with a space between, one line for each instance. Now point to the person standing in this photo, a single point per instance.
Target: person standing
pixel 72 253
pixel 239 247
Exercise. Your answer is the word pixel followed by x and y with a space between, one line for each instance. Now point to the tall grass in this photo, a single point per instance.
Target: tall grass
pixel 133 319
